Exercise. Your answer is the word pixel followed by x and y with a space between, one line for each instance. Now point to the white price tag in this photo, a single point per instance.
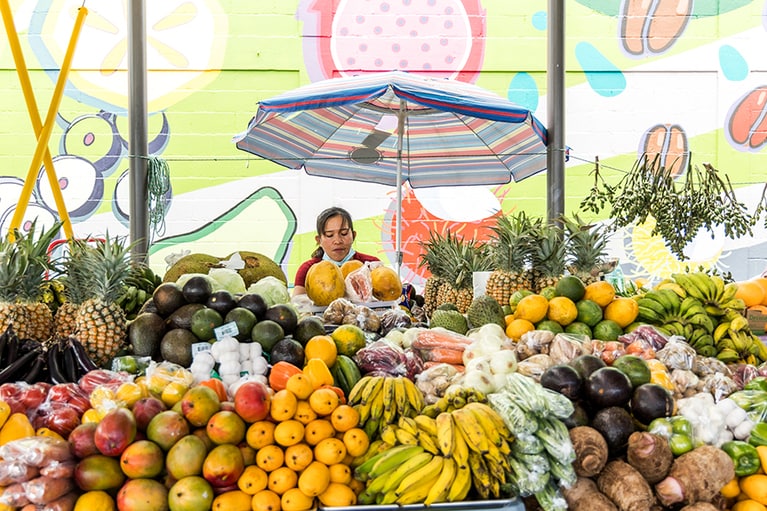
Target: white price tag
pixel 226 330
pixel 199 347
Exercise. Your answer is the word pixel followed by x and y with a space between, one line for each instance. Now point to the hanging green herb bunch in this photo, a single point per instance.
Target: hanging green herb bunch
pixel 703 199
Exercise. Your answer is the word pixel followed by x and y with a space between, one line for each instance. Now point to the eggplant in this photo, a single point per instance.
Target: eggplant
pixel 564 379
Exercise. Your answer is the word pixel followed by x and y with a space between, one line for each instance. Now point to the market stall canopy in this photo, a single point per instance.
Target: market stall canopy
pixel 392 127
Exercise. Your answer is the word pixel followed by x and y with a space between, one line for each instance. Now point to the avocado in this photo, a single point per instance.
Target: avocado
pixel 307 328
pixel 288 350
pixel 182 317
pixel 167 298
pixel 255 303
pixel 145 333
pixel 221 301
pixel 176 347
pixel 197 289
pixel 284 315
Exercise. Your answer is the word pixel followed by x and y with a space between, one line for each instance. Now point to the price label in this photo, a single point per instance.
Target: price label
pixel 226 330
pixel 200 347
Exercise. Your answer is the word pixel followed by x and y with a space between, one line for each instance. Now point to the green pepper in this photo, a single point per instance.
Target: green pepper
pixel 681 425
pixel 744 456
pixel 758 383
pixel 680 444
pixel 758 434
pixel 661 427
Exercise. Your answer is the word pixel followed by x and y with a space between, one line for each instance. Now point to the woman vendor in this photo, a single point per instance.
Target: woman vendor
pixel 335 235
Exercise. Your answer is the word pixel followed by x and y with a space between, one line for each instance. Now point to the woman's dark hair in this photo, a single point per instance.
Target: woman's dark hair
pixel 323 218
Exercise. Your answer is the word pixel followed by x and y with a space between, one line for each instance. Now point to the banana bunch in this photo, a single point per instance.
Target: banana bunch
pixel 455 397
pixel 407 474
pixel 139 287
pixel 471 445
pixel 382 400
pixel 53 293
pixel 716 295
pixel 674 312
pixel 736 343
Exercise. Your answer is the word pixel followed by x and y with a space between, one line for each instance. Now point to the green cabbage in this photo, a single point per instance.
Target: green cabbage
pixel 228 279
pixel 271 289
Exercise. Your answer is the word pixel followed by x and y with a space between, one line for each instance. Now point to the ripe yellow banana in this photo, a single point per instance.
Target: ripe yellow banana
pixel 441 487
pixel 400 396
pixel 408 424
pixel 445 433
pixel 738 323
pixel 718 288
pixel 480 474
pixel 388 434
pixel 721 330
pixel 405 437
pixel 415 479
pixel 396 476
pixel 428 442
pixel 414 395
pixel 460 449
pixel 426 424
pixel 461 484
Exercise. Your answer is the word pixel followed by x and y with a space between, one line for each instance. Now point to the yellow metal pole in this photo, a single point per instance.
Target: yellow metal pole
pixel 44 132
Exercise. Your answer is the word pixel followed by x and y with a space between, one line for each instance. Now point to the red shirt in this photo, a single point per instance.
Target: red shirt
pixel 304 268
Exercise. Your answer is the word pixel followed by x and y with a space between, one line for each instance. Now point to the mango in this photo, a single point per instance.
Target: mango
pixel 99 472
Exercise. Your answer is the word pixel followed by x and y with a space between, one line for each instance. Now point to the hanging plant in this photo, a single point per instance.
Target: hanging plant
pixel 703 200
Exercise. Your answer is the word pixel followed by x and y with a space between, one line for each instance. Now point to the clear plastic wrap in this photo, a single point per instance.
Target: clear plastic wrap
pixel 358 285
pixel 36 450
pixel 433 381
pixel 382 357
pixel 608 351
pixel 22 396
pixel 703 366
pixel 534 343
pixel 70 393
pixel 131 364
pixel 566 347
pixel 42 490
pixel 647 333
pixel 393 318
pixel 677 354
pixel 335 311
pixel 363 317
pixel 742 374
pixel 15 471
pixel 718 385
pixel 60 417
pixel 534 366
pixel 97 377
pixel 685 383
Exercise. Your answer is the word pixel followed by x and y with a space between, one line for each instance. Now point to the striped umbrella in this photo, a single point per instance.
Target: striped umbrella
pixel 392 127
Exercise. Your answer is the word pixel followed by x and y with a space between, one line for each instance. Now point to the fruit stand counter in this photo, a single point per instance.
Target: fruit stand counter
pixel 476 505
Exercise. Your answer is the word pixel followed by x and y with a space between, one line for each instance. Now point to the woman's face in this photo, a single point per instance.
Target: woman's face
pixel 336 239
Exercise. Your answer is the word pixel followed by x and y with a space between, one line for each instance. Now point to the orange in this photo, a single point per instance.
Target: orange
pixel 281 480
pixel 283 405
pixel 270 457
pixel 517 328
pixel 304 413
pixel 318 430
pixel 323 401
pixel 601 292
pixel 296 500
pixel 330 451
pixel 344 418
pixel 300 385
pixel 356 441
pixel 298 456
pixel 562 310
pixel 266 500
pixel 622 310
pixel 750 292
pixel 322 347
pixel 260 434
pixel 252 480
pixel 340 473
pixel 532 308
pixel 288 433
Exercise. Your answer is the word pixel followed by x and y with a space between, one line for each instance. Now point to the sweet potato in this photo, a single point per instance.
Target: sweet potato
pixel 64 503
pixel 590 450
pixel 625 486
pixel 650 454
pixel 43 489
pixel 696 476
pixel 585 496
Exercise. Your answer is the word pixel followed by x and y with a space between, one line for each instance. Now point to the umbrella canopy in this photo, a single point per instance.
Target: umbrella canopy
pixel 392 127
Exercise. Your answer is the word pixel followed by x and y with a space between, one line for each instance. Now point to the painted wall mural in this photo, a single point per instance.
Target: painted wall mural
pixel 681 79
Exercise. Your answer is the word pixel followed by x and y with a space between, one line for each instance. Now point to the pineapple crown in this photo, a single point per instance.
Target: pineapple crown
pixel 24 263
pixel 586 243
pixel 75 277
pixel 512 242
pixel 464 257
pixel 107 265
pixel 550 253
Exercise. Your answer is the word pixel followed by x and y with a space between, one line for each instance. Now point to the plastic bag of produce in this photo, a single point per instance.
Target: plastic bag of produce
pixel 534 366
pixel 566 347
pixel 359 285
pixel 647 333
pixel 395 318
pixel 381 357
pixel 677 354
pixel 36 450
pixel 534 343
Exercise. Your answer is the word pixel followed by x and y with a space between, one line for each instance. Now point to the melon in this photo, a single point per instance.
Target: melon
pixel 386 283
pixel 324 283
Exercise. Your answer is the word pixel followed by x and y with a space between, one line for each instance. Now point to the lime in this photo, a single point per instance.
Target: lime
pixel 607 330
pixel 589 312
pixel 549 292
pixel 551 326
pixel 577 327
pixel 571 287
pixel 204 321
pixel 516 296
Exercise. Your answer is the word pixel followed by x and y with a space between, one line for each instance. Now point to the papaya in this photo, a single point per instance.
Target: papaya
pixel 386 283
pixel 324 283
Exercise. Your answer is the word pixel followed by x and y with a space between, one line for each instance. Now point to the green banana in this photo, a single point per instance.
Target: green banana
pixel 397 475
pixel 718 288
pixel 387 460
pixel 730 289
pixel 648 315
pixel 653 304
pixel 684 280
pixel 707 286
pixel 672 299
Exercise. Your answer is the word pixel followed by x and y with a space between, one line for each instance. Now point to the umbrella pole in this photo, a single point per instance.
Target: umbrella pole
pixel 400 136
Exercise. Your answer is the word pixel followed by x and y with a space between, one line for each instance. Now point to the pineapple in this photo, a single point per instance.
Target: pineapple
pixel 587 248
pixel 433 257
pixel 463 259
pixel 76 288
pixel 511 251
pixel 548 257
pixel 24 264
pixel 100 323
